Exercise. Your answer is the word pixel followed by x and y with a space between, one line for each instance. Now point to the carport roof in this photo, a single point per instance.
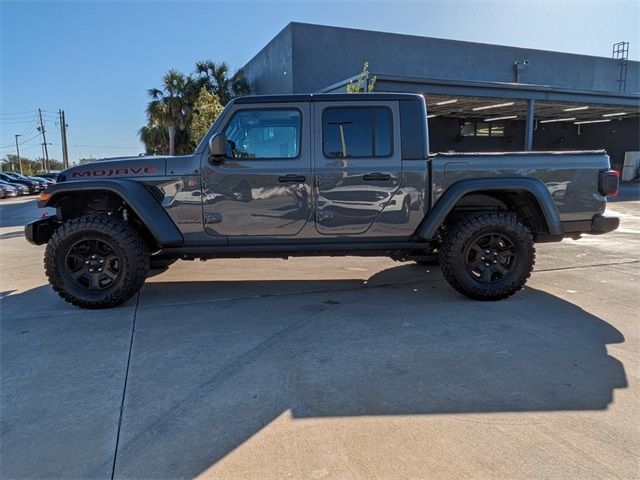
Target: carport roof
pixel 438 86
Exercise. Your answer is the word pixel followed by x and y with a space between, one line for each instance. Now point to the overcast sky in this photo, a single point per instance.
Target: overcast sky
pixel 96 60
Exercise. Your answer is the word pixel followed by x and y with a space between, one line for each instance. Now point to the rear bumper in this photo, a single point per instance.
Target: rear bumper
pixel 39 231
pixel 601 224
pixel 597 225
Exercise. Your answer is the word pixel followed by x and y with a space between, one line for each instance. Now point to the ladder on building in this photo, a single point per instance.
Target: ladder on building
pixel 621 53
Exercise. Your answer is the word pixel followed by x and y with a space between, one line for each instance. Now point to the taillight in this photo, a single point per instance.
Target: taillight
pixel 609 183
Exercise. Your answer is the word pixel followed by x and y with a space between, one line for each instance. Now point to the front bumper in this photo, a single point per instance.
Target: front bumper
pixel 39 231
pixel 601 224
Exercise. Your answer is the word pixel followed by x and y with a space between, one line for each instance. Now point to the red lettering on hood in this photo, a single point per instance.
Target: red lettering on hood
pixel 110 172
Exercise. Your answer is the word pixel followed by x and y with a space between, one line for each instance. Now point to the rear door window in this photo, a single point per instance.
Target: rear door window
pixel 352 132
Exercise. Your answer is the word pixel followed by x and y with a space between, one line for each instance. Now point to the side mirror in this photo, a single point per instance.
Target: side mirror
pixel 218 148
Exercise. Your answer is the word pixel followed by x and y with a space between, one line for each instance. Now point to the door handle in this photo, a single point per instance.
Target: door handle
pixel 292 179
pixel 381 177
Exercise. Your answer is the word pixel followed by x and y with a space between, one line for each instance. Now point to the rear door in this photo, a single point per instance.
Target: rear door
pixel 358 166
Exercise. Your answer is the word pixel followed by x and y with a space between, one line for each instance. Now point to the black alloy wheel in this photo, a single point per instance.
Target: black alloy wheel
pixel 93 264
pixel 490 258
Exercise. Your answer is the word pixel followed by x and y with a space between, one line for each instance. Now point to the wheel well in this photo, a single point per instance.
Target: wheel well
pixel 78 204
pixel 523 203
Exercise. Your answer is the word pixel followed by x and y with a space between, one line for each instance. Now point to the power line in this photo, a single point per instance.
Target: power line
pixel 18 113
pixel 24 142
pixel 109 146
pixel 16 123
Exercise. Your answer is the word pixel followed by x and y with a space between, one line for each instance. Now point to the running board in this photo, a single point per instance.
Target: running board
pixel 389 249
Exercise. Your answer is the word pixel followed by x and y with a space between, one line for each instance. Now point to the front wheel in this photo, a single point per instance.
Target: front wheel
pixel 488 256
pixel 96 261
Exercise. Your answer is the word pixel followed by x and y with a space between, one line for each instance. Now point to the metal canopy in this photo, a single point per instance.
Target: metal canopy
pixel 476 108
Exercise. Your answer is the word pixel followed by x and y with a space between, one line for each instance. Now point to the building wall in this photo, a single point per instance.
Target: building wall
pixel 443 136
pixel 317 56
pixel 270 71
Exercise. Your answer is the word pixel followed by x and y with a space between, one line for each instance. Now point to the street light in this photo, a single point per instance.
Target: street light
pixel 18 152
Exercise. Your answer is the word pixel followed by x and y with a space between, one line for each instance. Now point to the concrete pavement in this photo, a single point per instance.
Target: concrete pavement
pixel 325 368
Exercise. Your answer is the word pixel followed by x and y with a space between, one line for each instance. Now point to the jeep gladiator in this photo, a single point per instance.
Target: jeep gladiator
pixel 325 174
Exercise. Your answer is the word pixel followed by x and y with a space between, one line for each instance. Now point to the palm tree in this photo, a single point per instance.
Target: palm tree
pixel 169 107
pixel 154 138
pixel 216 79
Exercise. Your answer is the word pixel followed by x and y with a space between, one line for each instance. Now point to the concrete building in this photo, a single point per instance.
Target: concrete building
pixel 480 97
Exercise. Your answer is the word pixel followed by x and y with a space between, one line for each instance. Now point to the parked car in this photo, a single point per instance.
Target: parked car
pixel 32 185
pixel 321 174
pixel 53 176
pixel 44 182
pixel 19 176
pixel 10 190
pixel 18 187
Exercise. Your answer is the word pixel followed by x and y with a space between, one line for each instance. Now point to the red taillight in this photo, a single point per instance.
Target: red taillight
pixel 609 183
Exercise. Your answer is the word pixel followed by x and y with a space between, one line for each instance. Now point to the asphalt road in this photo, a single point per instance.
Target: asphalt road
pixel 320 368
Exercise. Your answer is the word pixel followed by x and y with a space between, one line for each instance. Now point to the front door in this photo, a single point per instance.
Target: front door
pixel 358 167
pixel 263 186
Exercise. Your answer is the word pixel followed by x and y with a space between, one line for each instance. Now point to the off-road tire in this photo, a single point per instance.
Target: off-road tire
pixel 457 258
pixel 127 246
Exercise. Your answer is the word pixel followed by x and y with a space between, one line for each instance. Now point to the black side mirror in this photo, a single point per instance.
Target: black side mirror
pixel 218 148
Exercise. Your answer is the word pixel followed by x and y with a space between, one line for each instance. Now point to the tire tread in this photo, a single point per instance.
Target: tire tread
pixel 457 235
pixel 137 259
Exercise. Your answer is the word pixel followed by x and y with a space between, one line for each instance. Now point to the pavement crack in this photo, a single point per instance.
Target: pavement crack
pixel 574 267
pixel 124 387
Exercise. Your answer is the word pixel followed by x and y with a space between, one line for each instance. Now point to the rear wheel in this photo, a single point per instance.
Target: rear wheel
pixel 487 256
pixel 96 261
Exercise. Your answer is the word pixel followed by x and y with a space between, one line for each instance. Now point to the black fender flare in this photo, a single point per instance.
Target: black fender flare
pixel 455 192
pixel 139 199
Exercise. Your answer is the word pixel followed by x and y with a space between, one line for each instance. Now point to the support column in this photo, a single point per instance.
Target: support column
pixel 528 136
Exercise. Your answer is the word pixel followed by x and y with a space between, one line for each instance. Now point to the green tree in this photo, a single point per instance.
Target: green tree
pixel 170 106
pixel 29 166
pixel 216 78
pixel 206 109
pixel 364 82
pixel 155 138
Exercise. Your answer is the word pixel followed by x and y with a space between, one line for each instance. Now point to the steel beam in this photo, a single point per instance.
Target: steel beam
pixel 528 136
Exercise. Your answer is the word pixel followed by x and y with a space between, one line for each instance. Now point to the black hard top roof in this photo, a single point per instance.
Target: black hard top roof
pixel 325 97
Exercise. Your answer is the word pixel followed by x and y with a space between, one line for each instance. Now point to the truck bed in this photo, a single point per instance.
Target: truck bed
pixel 571 177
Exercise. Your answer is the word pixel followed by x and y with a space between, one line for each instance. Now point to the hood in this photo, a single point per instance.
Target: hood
pixel 121 167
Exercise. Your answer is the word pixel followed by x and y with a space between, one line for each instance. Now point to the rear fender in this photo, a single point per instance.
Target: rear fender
pixel 455 192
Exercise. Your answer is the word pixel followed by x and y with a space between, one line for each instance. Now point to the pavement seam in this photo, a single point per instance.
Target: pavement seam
pixel 575 267
pixel 124 388
pixel 220 376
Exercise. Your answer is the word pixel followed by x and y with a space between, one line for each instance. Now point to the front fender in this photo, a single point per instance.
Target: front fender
pixel 455 192
pixel 137 197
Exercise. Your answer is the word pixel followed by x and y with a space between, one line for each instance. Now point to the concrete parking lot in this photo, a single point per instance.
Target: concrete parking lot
pixel 346 368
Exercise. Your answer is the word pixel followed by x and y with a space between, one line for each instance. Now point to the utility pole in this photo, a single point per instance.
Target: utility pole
pixel 18 152
pixel 44 143
pixel 63 134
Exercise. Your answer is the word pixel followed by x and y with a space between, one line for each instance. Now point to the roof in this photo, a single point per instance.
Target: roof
pixel 325 97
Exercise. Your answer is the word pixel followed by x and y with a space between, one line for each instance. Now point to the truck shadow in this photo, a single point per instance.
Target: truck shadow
pixel 209 372
pixel 396 349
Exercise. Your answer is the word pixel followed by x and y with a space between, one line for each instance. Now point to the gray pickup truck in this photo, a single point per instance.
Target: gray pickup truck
pixel 297 175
